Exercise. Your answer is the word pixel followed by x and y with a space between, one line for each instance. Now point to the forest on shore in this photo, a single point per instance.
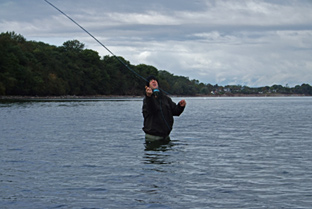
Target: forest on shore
pixel 30 68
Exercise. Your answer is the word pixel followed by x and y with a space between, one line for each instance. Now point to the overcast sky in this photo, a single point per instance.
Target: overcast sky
pixel 254 43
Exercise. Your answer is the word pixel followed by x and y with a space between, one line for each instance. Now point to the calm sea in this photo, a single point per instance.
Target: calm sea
pixel 225 153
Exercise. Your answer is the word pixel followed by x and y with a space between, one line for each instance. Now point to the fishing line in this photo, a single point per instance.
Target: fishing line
pixel 97 41
pixel 123 63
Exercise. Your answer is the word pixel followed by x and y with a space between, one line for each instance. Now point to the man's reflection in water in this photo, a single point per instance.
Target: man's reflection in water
pixel 155 152
pixel 159 145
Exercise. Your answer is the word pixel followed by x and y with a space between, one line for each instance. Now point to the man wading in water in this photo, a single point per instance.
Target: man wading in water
pixel 158 112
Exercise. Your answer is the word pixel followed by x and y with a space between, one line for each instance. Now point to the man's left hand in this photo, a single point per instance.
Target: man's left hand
pixel 182 103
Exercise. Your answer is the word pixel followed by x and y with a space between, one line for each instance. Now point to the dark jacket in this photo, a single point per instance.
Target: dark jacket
pixel 158 114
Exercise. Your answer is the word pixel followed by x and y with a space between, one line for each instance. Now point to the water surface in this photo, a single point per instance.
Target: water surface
pixel 225 153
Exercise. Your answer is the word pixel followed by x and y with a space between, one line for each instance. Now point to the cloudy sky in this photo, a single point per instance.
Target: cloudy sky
pixel 242 42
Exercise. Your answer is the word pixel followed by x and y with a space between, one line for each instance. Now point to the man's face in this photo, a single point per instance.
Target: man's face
pixel 153 84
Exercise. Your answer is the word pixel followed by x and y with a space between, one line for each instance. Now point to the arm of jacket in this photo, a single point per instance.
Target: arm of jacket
pixel 175 108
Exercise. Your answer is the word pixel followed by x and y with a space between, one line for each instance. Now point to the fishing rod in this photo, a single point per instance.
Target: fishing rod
pixel 96 40
pixel 122 62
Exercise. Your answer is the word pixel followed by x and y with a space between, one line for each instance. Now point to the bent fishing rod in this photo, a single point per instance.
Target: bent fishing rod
pixel 123 63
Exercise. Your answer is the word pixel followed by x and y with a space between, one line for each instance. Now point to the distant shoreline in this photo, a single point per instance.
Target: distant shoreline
pixel 67 97
pixel 135 96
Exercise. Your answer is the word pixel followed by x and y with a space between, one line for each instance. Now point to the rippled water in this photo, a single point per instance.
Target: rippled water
pixel 225 153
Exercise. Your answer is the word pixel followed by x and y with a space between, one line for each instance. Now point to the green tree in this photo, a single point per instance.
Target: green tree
pixel 306 89
pixel 37 68
pixel 73 45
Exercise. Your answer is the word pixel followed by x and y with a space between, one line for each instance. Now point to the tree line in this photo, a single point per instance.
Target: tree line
pixel 30 68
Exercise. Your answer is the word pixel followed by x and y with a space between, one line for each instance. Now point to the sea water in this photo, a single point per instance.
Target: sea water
pixel 225 153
